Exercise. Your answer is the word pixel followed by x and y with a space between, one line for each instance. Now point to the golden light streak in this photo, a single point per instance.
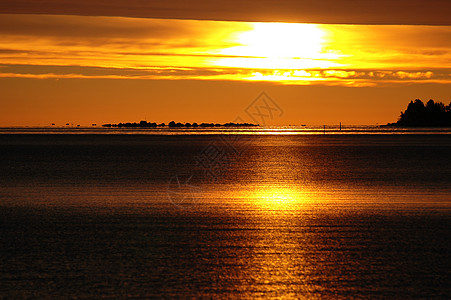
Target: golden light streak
pixel 272 198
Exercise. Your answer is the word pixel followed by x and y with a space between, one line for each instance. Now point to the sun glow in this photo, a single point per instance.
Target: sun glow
pixel 80 47
pixel 281 40
pixel 279 46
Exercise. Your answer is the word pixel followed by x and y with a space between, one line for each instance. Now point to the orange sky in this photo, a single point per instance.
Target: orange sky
pixel 86 69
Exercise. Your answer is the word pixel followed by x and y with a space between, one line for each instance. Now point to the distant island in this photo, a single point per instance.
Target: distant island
pixel 433 114
pixel 172 124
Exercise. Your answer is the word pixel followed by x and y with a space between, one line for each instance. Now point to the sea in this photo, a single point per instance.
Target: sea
pixel 294 212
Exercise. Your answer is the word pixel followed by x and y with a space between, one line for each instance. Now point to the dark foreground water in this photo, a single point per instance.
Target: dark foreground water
pixel 225 216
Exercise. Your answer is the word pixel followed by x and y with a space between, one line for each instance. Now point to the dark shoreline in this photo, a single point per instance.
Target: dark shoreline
pixel 172 124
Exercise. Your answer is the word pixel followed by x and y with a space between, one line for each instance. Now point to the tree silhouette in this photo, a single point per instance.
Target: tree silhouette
pixel 431 114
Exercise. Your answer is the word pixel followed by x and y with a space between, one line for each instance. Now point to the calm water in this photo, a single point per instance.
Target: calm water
pixel 341 215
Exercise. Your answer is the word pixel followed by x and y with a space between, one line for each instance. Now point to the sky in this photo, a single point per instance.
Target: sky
pixel 85 62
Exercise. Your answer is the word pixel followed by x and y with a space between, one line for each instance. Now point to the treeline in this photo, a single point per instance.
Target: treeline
pixel 418 114
pixel 172 124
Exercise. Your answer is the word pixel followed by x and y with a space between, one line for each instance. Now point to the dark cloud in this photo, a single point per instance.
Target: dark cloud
pixel 413 12
pixel 99 71
pixel 72 27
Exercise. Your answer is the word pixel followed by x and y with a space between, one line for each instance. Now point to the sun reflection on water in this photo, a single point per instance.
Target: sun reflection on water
pixel 279 198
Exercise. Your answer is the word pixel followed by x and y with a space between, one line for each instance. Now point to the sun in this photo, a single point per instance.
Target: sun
pixel 277 46
pixel 281 40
